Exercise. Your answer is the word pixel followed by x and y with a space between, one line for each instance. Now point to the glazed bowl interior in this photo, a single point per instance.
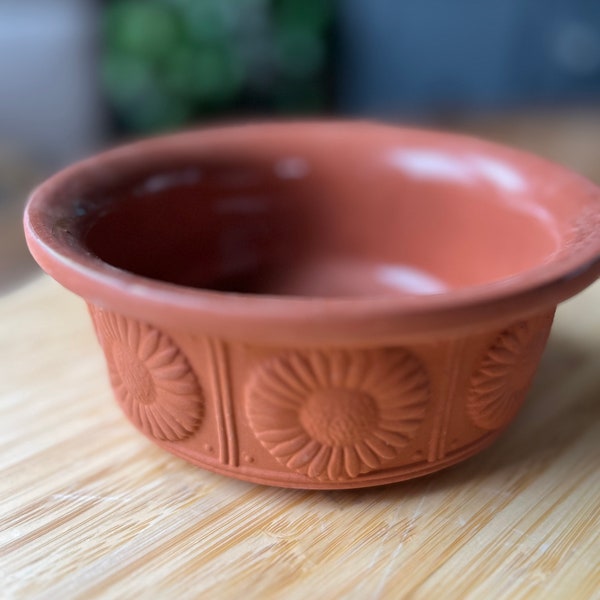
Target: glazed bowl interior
pixel 318 228
pixel 332 213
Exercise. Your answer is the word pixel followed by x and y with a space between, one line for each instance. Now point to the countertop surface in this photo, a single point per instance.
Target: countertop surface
pixel 90 508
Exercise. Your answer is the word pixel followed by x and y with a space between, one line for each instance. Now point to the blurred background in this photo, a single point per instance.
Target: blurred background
pixel 78 75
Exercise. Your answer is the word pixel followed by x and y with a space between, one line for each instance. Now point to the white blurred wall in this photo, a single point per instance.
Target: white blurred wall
pixel 49 102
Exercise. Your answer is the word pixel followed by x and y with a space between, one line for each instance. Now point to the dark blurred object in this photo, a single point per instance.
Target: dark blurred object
pixel 167 62
pixel 424 58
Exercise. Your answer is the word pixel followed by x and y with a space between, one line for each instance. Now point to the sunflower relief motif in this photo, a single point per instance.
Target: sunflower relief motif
pixel 334 415
pixel 499 384
pixel 151 378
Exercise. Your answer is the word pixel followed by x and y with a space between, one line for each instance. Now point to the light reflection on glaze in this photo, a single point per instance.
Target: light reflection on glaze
pixel 499 173
pixel 291 167
pixel 437 165
pixel 430 165
pixel 409 279
pixel 471 169
pixel 164 181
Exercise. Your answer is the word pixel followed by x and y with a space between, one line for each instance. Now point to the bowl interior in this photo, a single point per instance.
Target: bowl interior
pixel 330 213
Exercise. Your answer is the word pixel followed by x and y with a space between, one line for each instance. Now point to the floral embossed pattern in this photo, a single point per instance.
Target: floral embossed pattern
pixel 334 415
pixel 151 378
pixel 503 377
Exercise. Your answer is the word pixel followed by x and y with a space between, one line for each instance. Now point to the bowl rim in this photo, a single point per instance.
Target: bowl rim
pixel 304 318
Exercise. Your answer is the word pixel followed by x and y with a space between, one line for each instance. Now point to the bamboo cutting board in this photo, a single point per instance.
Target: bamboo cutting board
pixel 90 508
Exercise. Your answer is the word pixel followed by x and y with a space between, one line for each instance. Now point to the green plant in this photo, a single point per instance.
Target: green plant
pixel 166 62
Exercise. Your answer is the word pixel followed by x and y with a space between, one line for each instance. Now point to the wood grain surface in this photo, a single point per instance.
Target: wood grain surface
pixel 91 509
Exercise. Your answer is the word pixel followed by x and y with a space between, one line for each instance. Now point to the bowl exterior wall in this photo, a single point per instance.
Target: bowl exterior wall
pixel 320 417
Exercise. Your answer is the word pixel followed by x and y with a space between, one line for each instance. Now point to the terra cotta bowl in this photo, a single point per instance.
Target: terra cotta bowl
pixel 319 305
